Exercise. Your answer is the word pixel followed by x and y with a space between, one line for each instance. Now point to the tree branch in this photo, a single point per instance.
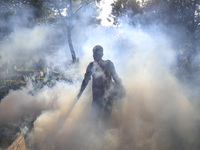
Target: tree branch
pixel 65 23
pixel 82 7
pixel 56 6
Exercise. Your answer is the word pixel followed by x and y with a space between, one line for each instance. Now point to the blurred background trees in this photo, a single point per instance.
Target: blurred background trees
pixel 180 15
pixel 59 13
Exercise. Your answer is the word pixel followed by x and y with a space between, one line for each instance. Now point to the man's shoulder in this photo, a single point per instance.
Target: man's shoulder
pixel 108 61
pixel 91 63
pixel 90 66
pixel 103 62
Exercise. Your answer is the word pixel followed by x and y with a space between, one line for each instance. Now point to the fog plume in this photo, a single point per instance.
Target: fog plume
pixel 158 112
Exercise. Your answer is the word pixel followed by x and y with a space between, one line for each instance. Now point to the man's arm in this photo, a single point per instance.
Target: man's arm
pixel 86 79
pixel 114 74
pixel 121 92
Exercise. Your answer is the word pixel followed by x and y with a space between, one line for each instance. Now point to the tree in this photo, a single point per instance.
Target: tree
pixel 72 10
pixel 127 8
pixel 55 12
pixel 182 15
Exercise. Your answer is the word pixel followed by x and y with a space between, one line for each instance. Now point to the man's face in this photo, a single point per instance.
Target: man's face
pixel 97 57
pixel 97 53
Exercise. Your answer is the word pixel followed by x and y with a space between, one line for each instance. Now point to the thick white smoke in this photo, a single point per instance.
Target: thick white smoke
pixel 157 112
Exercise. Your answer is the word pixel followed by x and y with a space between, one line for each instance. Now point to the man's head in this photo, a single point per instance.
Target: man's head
pixel 97 52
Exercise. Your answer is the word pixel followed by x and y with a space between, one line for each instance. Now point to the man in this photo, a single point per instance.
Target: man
pixel 103 88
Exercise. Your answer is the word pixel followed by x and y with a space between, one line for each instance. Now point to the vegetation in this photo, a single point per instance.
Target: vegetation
pixel 176 16
pixel 59 13
pixel 16 80
pixel 182 15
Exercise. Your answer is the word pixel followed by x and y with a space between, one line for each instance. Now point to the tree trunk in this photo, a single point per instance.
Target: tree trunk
pixel 69 30
pixel 193 30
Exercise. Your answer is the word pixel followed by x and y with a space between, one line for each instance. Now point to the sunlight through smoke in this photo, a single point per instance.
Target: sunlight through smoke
pixel 156 114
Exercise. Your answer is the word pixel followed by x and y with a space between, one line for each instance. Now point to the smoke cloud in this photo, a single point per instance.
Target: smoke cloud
pixel 159 112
